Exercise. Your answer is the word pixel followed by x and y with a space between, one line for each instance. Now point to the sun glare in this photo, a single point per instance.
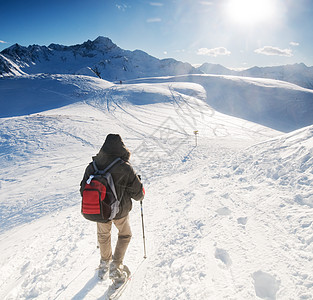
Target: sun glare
pixel 250 11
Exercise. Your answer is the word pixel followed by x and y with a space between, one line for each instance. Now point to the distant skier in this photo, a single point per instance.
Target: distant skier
pixel 128 185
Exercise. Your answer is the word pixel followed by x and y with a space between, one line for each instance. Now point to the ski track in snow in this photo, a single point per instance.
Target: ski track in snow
pixel 216 226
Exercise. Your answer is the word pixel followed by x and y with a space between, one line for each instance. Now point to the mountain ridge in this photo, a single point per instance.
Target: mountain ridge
pixel 298 73
pixel 103 58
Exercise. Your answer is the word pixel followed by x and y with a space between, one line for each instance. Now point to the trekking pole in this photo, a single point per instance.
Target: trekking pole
pixel 143 232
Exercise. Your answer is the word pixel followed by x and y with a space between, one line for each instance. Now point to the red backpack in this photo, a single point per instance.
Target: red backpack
pixel 100 202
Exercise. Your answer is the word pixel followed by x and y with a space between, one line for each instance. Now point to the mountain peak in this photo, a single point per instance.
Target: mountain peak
pixel 14 47
pixel 102 40
pixel 100 43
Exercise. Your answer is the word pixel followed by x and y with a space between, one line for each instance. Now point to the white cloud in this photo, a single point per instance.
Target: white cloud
pixel 2 42
pixel 165 52
pixel 294 44
pixel 121 7
pixel 156 4
pixel 213 52
pixel 270 50
pixel 154 20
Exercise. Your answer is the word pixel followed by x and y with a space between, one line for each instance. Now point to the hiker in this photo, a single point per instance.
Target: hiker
pixel 128 185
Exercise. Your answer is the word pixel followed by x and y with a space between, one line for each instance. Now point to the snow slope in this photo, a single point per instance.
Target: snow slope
pixel 29 94
pixel 286 160
pixel 221 221
pixel 277 104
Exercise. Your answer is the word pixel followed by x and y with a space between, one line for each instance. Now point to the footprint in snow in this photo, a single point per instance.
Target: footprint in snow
pixel 223 211
pixel 223 256
pixel 225 195
pixel 242 220
pixel 266 286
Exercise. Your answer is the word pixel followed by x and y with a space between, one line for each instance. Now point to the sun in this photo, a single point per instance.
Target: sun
pixel 250 11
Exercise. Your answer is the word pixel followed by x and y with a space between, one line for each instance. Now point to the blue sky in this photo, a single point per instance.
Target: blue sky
pixel 234 33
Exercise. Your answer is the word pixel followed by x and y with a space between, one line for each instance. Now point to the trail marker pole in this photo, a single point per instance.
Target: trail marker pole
pixel 196 132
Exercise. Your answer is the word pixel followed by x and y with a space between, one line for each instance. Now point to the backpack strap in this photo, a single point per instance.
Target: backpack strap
pixel 102 172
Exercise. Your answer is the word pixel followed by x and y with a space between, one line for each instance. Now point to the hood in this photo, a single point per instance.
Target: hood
pixel 112 148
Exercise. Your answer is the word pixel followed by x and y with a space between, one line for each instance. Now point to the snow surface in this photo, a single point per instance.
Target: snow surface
pixel 230 218
pixel 277 104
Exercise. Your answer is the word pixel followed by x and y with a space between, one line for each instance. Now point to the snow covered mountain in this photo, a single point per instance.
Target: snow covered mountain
pixel 230 218
pixel 215 69
pixel 299 74
pixel 101 58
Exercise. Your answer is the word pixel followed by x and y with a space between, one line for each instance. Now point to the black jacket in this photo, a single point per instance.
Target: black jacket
pixel 127 184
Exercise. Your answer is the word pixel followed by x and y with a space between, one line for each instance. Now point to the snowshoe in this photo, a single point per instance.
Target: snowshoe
pixel 120 276
pixel 118 273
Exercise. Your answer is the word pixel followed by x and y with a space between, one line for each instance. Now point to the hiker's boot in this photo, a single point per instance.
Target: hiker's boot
pixel 103 269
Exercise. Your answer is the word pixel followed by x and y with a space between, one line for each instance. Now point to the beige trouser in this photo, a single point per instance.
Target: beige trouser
pixel 104 239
